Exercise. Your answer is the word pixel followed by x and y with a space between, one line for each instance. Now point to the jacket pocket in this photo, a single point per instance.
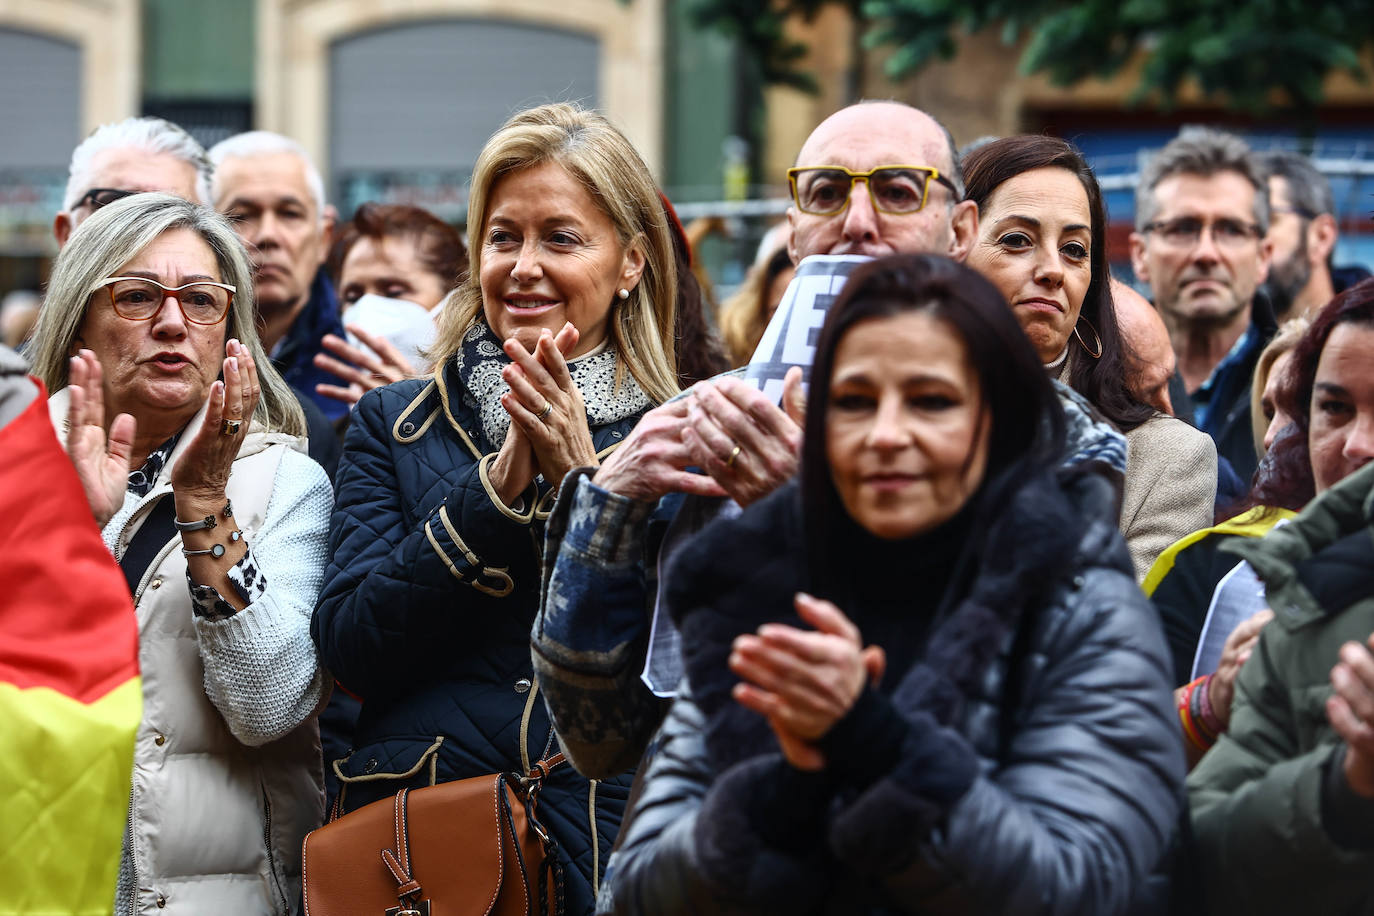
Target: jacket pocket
pixel 386 767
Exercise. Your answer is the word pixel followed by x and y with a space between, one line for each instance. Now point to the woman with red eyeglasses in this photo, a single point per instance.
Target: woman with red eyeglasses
pixel 190 448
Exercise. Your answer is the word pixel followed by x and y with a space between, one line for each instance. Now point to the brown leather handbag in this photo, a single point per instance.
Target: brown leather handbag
pixel 472 847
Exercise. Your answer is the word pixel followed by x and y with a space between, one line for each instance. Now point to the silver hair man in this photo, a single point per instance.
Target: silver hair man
pixel 271 190
pixel 130 157
pixel 257 143
pixel 1204 152
pixel 1201 243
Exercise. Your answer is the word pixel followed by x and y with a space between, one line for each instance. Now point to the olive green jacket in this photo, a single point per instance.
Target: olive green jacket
pixel 1277 828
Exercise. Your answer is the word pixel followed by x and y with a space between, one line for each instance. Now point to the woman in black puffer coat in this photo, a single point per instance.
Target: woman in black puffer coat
pixel 973 714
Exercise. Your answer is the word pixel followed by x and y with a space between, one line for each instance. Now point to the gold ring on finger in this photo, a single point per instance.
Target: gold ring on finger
pixel 230 427
pixel 548 409
pixel 734 453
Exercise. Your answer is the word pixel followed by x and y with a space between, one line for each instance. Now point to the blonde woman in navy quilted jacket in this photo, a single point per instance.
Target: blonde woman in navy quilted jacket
pixel 549 352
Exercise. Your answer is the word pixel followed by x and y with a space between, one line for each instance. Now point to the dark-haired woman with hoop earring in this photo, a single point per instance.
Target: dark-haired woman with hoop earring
pixel 1042 243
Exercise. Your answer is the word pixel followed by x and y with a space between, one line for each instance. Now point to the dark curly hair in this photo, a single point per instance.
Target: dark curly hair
pixel 1284 479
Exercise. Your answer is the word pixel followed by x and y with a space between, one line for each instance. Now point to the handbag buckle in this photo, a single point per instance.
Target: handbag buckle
pixel 418 909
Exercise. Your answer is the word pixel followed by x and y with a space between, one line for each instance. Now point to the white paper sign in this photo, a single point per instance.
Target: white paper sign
pixel 790 338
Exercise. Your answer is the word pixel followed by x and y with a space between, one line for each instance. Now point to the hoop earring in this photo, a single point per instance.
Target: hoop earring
pixel 1083 343
pixel 623 293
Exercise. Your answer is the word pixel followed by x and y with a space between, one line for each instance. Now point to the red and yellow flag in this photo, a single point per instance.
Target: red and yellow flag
pixel 70 697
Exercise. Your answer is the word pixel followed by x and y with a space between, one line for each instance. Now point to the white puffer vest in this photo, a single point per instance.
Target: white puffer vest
pixel 215 826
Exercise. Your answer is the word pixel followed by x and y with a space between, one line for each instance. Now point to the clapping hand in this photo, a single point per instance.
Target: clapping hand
pixel 381 364
pixel 1239 644
pixel 546 405
pixel 517 463
pixel 738 436
pixel 804 681
pixel 653 460
pixel 1351 711
pixel 202 472
pixel 101 459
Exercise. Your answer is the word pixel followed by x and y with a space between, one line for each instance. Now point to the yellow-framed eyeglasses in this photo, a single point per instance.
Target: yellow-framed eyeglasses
pixel 902 189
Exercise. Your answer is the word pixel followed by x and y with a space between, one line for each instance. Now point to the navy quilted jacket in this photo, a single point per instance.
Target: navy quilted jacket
pixel 426 610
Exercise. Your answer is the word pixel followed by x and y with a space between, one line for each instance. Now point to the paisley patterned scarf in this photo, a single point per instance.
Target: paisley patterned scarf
pixel 481 359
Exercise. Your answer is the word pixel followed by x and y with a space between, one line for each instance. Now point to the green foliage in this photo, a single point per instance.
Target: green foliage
pixel 759 27
pixel 1245 53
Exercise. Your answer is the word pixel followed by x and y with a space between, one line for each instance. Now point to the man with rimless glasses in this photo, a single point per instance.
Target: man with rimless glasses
pixel 1202 214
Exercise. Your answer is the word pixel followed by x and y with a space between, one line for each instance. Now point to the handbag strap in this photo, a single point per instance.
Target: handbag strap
pixel 406 885
pixel 542 768
pixel 547 762
pixel 525 725
pixel 550 866
pixel 155 532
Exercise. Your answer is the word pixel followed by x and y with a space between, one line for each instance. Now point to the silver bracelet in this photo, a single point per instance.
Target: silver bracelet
pixel 206 523
pixel 214 550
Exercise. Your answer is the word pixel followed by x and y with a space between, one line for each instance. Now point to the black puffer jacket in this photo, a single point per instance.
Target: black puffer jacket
pixel 426 609
pixel 1050 784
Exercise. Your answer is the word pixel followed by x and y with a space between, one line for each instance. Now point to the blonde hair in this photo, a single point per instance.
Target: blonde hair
pixel 597 155
pixel 112 237
pixel 1283 342
pixel 744 316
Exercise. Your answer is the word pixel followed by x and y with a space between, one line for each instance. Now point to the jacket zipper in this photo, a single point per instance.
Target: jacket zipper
pixel 267 843
pixel 138 595
pixel 133 856
pixel 120 541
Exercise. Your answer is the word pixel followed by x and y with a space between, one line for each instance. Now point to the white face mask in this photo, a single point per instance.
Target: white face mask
pixel 408 326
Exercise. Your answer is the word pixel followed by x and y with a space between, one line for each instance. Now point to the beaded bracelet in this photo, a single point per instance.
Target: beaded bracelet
pixel 1192 729
pixel 1210 719
pixel 1189 724
pixel 1195 698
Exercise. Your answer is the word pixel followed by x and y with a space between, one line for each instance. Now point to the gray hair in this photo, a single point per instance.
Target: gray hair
pixel 112 237
pixel 153 135
pixel 1204 152
pixel 256 143
pixel 1308 189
